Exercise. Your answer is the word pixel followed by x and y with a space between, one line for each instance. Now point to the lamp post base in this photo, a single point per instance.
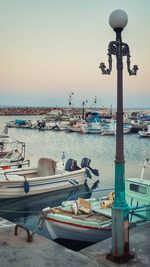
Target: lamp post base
pixel 120 259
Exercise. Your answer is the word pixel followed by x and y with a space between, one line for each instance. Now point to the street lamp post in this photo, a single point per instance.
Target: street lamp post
pixel 120 211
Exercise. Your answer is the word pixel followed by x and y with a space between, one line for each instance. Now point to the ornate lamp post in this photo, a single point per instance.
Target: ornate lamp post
pixel 120 212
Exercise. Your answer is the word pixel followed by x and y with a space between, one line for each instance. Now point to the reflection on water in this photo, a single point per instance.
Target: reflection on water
pixel 27 210
pixel 101 149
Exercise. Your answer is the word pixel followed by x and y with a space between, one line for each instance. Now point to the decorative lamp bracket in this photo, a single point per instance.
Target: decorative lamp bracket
pixel 116 49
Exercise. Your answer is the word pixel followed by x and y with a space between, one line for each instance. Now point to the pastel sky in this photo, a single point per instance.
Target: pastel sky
pixel 49 48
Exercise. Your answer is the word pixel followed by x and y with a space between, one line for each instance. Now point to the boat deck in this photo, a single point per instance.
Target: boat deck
pixel 93 216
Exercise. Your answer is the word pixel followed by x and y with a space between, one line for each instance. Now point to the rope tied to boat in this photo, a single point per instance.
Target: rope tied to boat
pixel 40 223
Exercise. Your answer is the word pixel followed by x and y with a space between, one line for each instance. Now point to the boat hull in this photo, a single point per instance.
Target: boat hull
pixel 144 134
pixel 13 186
pixel 76 231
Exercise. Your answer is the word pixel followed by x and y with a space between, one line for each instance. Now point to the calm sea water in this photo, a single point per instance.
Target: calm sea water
pixel 100 149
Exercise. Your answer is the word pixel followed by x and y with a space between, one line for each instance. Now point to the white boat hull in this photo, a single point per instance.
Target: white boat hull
pixel 76 232
pixel 144 134
pixel 12 186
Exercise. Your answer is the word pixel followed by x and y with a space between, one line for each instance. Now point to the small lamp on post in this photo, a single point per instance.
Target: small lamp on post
pixel 120 211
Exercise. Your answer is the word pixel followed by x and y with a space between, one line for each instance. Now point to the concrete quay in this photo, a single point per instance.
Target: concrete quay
pixel 139 247
pixel 42 252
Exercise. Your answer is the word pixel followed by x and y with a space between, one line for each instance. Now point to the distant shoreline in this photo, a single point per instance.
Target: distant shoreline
pixel 7 111
pixel 10 111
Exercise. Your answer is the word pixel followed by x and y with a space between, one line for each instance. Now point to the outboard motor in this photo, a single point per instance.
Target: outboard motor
pixel 85 163
pixel 71 165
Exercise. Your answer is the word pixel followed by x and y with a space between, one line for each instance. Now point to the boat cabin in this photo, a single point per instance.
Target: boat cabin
pixel 138 196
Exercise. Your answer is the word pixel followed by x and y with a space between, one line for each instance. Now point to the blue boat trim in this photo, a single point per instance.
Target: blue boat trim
pixel 73 182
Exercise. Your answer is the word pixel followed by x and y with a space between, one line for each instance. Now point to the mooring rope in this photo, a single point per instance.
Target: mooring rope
pixel 40 223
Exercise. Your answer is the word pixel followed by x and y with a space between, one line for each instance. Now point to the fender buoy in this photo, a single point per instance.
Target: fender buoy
pixel 106 204
pixel 26 186
pixel 111 196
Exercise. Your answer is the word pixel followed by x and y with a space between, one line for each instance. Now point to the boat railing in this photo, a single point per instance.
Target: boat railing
pixel 141 211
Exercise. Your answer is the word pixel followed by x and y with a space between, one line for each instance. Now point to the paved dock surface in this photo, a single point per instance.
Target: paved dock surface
pixel 15 251
pixel 139 247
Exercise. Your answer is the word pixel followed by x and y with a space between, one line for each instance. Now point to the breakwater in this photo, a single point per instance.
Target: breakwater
pixel 24 110
pixel 11 111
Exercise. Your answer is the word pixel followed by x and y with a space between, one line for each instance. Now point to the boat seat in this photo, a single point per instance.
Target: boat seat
pixel 46 167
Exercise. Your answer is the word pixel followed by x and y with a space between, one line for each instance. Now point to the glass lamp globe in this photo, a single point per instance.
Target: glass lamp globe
pixel 118 19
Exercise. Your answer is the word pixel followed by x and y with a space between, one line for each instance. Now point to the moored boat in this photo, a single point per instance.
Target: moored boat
pixel 90 220
pixel 74 126
pixel 44 178
pixel 19 123
pixel 138 125
pixel 145 134
pixel 92 124
pixel 110 128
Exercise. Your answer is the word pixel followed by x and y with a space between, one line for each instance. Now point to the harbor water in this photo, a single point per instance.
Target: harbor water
pixel 52 144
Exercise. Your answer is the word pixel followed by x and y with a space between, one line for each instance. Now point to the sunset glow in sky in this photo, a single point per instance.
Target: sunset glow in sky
pixel 50 48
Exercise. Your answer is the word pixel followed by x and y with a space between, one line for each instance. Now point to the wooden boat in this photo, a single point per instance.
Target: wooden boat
pixel 33 181
pixel 90 220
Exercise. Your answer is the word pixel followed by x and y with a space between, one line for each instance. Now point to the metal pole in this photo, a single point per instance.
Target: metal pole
pixel 120 210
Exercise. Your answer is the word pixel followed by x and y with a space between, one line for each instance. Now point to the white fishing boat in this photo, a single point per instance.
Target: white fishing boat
pixel 44 126
pixel 90 220
pixel 145 134
pixel 110 128
pixel 138 125
pixel 53 125
pixel 91 128
pixel 44 178
pixel 92 124
pixel 19 123
pixel 74 126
